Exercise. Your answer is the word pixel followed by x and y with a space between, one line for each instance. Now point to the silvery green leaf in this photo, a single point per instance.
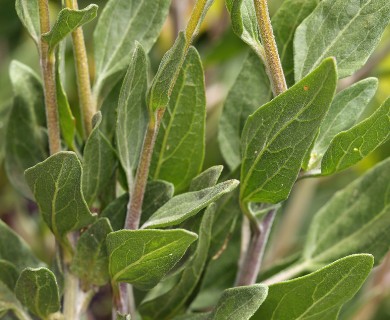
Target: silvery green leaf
pixel 28 12
pixel 207 178
pixel 9 302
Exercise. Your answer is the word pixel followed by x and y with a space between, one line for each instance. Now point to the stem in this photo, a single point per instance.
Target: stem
pixel 47 61
pixel 251 266
pixel 273 64
pixel 71 288
pixel 87 103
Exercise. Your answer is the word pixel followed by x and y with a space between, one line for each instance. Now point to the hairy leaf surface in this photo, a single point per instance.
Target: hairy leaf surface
pixel 28 12
pixel 207 178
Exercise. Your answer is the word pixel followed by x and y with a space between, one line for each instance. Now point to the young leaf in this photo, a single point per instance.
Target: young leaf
pixel 37 290
pixel 277 136
pixel 333 28
pixel 67 21
pixel 250 90
pixel 206 179
pixel 356 219
pixel 14 250
pixel 98 163
pixel 186 205
pixel 90 262
pixel 319 295
pixel 143 257
pixel 173 301
pixel 132 116
pixel 351 146
pixel 56 184
pixel 28 12
pixel 26 142
pixel 121 23
pixel 123 317
pixel 343 113
pixel 285 21
pixel 8 274
pixel 239 303
pixel 8 301
pixel 180 145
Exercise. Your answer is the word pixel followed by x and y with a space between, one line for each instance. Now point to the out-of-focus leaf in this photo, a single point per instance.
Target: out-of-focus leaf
pixel 28 12
pixel 207 178
pixel 8 274
pixel 9 302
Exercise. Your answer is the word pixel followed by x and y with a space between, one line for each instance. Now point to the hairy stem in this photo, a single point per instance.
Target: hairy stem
pixel 47 61
pixel 87 102
pixel 272 60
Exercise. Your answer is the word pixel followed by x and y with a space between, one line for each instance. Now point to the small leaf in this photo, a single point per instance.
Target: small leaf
pixel 356 219
pixel 90 262
pixel 120 24
pixel 98 164
pixel 333 28
pixel 277 136
pixel 344 112
pixel 123 317
pixel 250 90
pixel 56 184
pixel 132 111
pixel 239 303
pixel 351 146
pixel 206 179
pixel 26 141
pixel 28 12
pixel 68 20
pixel 37 289
pixel 172 302
pixel 186 205
pixel 8 301
pixel 8 274
pixel 143 257
pixel 319 295
pixel 180 146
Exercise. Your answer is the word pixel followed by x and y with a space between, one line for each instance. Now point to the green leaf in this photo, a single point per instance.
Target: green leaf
pixel 90 262
pixel 180 145
pixel 239 303
pixel 167 73
pixel 319 295
pixel 37 290
pixel 132 116
pixel 289 16
pixel 8 274
pixel 351 146
pixel 250 90
pixel 123 317
pixel 14 249
pixel 120 24
pixel 26 142
pixel 244 23
pixel 56 184
pixel 173 301
pixel 8 301
pixel 356 219
pixel 344 112
pixel 116 212
pixel 28 12
pixel 193 316
pixel 335 27
pixel 186 205
pixel 206 179
pixel 143 257
pixel 277 136
pixel 98 164
pixel 68 20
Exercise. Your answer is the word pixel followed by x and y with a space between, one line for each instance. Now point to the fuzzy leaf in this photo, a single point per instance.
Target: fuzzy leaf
pixel 132 111
pixel 356 219
pixel 132 252
pixel 26 142
pixel 28 12
pixel 343 113
pixel 335 27
pixel 277 136
pixel 319 295
pixel 37 290
pixel 186 205
pixel 120 24
pixel 351 146
pixel 206 179
pixel 56 184
pixel 68 20
pixel 98 163
pixel 180 145
pixel 90 262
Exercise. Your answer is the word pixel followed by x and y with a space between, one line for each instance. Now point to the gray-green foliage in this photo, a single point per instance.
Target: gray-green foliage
pixel 207 178
pixel 9 274
pixel 8 301
pixel 28 12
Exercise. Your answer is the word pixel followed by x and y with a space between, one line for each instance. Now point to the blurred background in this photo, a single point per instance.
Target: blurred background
pixel 222 54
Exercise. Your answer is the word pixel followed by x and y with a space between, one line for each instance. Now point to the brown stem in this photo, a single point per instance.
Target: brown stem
pixel 47 61
pixel 87 103
pixel 273 64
